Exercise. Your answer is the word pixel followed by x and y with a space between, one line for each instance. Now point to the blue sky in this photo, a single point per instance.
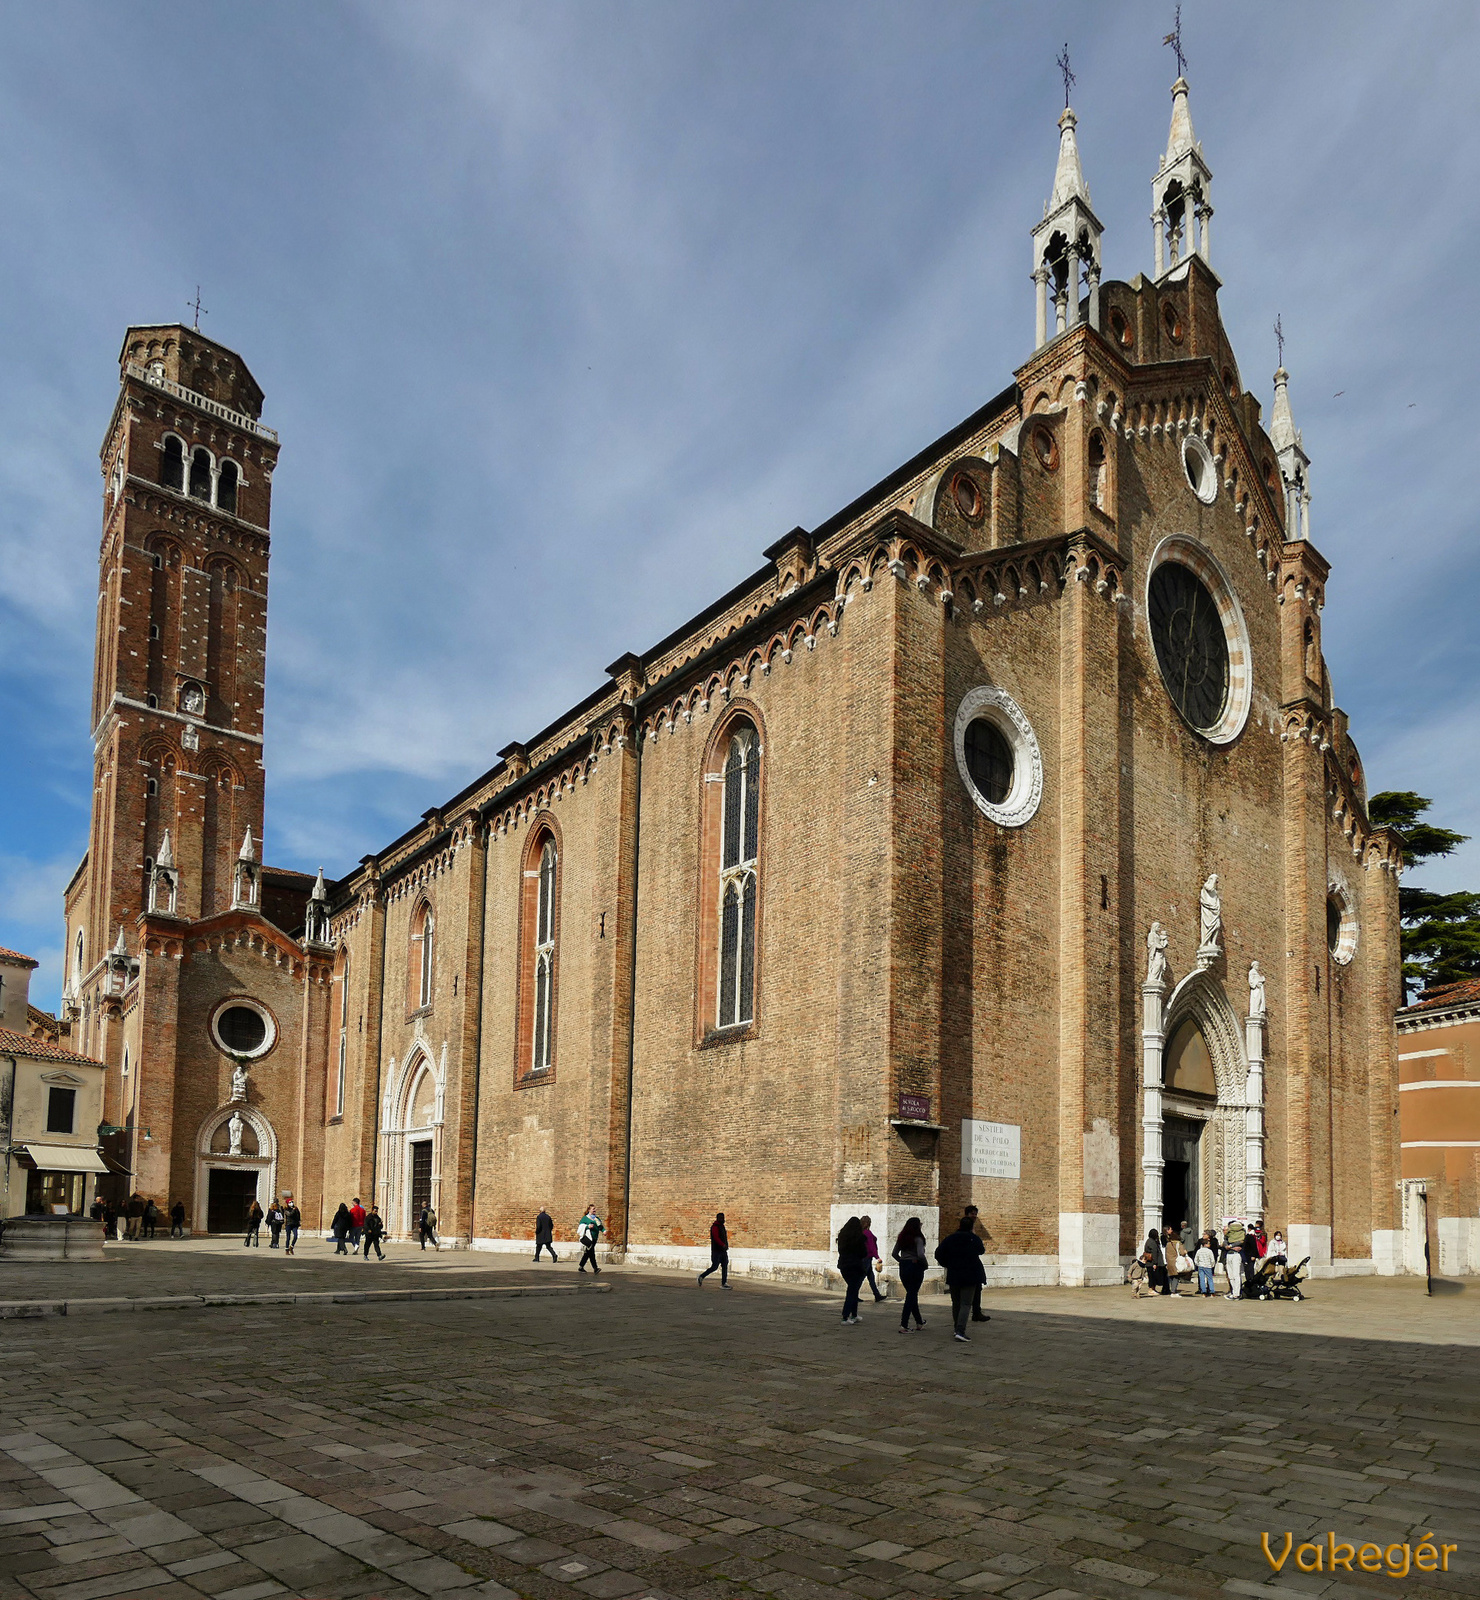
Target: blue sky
pixel 565 311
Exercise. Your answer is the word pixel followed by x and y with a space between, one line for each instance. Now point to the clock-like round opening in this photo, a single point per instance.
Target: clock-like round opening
pixel 1191 646
pixel 242 1028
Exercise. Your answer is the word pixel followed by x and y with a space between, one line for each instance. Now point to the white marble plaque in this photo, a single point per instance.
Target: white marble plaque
pixel 991 1149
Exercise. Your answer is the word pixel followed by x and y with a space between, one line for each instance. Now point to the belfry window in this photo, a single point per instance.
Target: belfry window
pixel 544 962
pixel 738 879
pixel 200 474
pixel 172 467
pixel 226 487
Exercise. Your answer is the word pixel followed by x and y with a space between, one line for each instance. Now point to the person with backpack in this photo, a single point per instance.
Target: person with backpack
pixel 544 1235
pixel 960 1253
pixel 274 1222
pixel 151 1218
pixel 292 1222
pixel 427 1227
pixel 254 1227
pixel 589 1231
pixel 373 1232
pixel 177 1220
pixel 909 1254
pixel 853 1265
pixel 719 1252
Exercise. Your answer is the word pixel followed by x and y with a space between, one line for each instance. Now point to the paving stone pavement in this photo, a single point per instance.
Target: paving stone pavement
pixel 682 1444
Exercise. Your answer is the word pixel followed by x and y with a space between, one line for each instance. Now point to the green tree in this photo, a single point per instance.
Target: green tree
pixel 1441 932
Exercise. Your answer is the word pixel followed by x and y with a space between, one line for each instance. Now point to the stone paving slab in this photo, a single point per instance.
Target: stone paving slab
pixel 25 1309
pixel 662 1442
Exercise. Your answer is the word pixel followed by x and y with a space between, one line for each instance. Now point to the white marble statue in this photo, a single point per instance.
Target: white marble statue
pixel 1156 954
pixel 1257 1002
pixel 234 1130
pixel 239 1081
pixel 1211 907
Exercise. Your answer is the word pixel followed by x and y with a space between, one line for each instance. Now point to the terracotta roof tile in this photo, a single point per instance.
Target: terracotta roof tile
pixel 1465 993
pixel 16 955
pixel 22 1044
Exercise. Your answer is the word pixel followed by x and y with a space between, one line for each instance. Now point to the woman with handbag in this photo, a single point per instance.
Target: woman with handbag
pixel 909 1252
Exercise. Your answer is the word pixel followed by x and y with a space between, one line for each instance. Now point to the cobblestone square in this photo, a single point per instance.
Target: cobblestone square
pixel 664 1441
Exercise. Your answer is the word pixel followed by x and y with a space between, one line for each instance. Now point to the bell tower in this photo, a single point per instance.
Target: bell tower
pixel 181 636
pixel 1066 244
pixel 1181 213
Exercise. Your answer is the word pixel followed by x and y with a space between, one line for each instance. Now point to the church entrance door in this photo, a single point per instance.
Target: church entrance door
pixel 230 1197
pixel 421 1178
pixel 1180 1179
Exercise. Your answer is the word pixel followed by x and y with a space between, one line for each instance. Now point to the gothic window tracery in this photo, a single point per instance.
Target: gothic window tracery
pixel 738 878
pixel 422 965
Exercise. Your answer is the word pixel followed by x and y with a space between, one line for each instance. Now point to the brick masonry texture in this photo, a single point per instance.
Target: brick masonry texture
pixel 907 943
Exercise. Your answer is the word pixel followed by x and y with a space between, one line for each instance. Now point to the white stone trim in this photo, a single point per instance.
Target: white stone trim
pixel 999 708
pixel 265 1162
pixel 269 1038
pixel 1350 930
pixel 1206 485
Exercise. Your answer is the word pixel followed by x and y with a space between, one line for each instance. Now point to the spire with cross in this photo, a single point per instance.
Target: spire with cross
pixel 197 308
pixel 1279 337
pixel 1069 79
pixel 1174 39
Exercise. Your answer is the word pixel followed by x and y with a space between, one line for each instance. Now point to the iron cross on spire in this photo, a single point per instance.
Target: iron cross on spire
pixel 1174 38
pixel 197 308
pixel 1279 337
pixel 1069 79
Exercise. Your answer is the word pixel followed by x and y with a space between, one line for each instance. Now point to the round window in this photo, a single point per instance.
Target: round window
pixel 998 757
pixel 1202 472
pixel 968 496
pixel 1045 447
pixel 1191 647
pixel 242 1028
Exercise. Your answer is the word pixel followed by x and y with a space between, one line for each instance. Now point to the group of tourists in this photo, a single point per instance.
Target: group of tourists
pixel 960 1252
pixel 138 1218
pixel 283 1219
pixel 1172 1256
pixel 355 1228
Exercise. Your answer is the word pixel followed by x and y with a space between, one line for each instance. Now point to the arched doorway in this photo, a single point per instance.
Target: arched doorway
pixel 235 1163
pixel 1204 1113
pixel 412 1148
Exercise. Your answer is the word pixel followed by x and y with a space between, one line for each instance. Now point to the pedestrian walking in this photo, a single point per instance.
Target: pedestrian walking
pixel 589 1230
pixel 177 1220
pixel 544 1234
pixel 426 1226
pixel 274 1222
pixel 1206 1262
pixel 979 1228
pixel 254 1227
pixel 1233 1257
pixel 960 1253
pixel 872 1257
pixel 356 1223
pixel 150 1218
pixel 853 1265
pixel 719 1252
pixel 374 1232
pixel 292 1222
pixel 339 1228
pixel 909 1254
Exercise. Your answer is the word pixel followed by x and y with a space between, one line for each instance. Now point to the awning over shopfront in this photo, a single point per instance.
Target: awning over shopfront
pixel 62 1157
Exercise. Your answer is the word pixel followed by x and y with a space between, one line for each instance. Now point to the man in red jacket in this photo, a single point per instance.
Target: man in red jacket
pixel 356 1224
pixel 719 1251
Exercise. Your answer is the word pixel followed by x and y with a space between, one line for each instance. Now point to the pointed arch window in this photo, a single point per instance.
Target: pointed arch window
pixel 343 1051
pixel 738 887
pixel 421 958
pixel 544 962
pixel 539 957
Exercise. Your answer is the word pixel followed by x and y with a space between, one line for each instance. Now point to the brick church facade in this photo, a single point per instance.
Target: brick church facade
pixel 998 840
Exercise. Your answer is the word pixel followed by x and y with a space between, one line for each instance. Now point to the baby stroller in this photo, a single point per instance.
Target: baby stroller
pixel 1276 1281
